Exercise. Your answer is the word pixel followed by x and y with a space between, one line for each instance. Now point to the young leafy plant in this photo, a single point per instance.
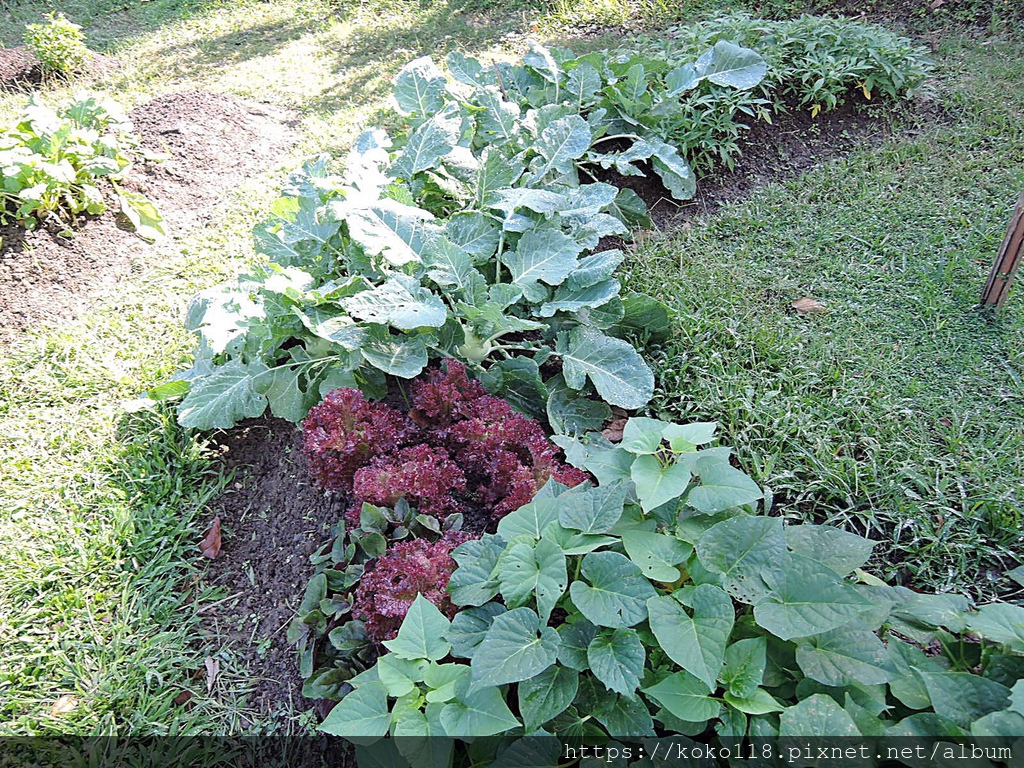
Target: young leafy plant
pixel 55 162
pixel 657 604
pixel 59 44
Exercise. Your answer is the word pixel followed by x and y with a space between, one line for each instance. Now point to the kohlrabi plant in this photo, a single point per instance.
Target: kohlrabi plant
pixel 661 604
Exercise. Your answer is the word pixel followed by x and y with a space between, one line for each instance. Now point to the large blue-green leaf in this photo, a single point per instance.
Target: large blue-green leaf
pixel 400 302
pixel 388 228
pixel 684 696
pixel 817 715
pixel 362 716
pixel 422 634
pixel 516 647
pixel 1001 623
pixel 402 356
pixel 224 397
pixel 616 657
pixel 745 550
pixel 619 374
pixel 529 570
pixel 841 551
pixel 545 255
pixel 964 697
pixel 499 118
pixel 560 144
pixel 617 592
pixel 657 554
pixel 547 695
pixel 745 662
pixel 582 87
pixel 476 234
pixel 592 510
pixel 845 657
pixel 696 643
pixel 722 487
pixel 427 145
pixel 530 519
pixel 658 483
pixel 731 65
pixel 807 599
pixel 420 88
pixel 482 712
pixel 469 627
pixel 451 266
pixel 475 581
pixel 673 169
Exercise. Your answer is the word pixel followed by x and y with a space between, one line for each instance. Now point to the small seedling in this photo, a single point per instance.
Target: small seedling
pixel 59 45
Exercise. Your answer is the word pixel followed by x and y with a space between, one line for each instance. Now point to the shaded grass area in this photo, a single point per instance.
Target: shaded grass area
pixel 899 412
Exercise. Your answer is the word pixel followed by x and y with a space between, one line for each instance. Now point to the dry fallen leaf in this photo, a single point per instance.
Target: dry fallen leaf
pixel 808 306
pixel 938 4
pixel 210 546
pixel 212 670
pixel 182 698
pixel 63 705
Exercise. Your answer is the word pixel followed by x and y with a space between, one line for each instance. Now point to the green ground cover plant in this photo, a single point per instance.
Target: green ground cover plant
pixel 659 603
pixel 54 161
pixel 58 44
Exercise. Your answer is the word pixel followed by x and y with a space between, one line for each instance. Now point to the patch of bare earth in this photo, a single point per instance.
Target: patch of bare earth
pixel 215 142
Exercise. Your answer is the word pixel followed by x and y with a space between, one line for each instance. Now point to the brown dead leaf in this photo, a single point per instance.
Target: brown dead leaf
pixel 63 705
pixel 613 431
pixel 808 306
pixel 182 698
pixel 212 670
pixel 937 4
pixel 210 546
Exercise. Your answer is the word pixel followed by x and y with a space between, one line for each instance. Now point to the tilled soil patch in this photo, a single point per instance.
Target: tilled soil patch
pixel 215 142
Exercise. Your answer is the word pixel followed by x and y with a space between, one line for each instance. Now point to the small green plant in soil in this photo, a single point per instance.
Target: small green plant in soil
pixel 58 44
pixel 660 604
pixel 55 162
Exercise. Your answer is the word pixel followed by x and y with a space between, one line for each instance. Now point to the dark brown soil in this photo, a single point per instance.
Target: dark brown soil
pixel 20 70
pixel 272 520
pixel 215 142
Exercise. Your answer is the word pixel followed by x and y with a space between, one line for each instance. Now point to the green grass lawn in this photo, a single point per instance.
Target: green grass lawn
pixel 899 410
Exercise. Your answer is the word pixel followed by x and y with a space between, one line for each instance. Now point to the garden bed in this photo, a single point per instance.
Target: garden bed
pixel 215 142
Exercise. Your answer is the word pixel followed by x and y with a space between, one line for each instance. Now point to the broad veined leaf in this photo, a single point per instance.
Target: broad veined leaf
pixel 617 592
pixel 569 413
pixel 530 519
pixel 680 80
pixel 683 438
pixel 560 144
pixel 658 483
pixel 545 255
pixel 731 65
pixel 759 702
pixel 497 173
pixel 402 356
pixel 575 639
pixel 482 712
pixel 442 680
pixel 362 716
pixel 744 667
pixel 684 696
pixel 630 209
pixel 450 266
pixel 516 647
pixel 616 657
pixel 845 657
pixel 142 213
pixel 427 145
pixel 400 675
pixel 582 87
pixel 963 697
pixel 656 553
pixel 817 715
pixel 366 161
pixel 807 599
pixel 517 380
pixel 642 436
pixel 538 200
pixel 475 234
pixel 841 551
pixel 595 269
pixel 574 543
pixel 674 171
pixel 388 228
pixel 623 162
pixel 469 627
pixel 466 69
pixel 745 550
pixel 475 581
pixel 592 510
pixel 541 61
pixel 544 697
pixel 499 118
pixel 421 737
pixel 286 400
pixel 421 635
pixel 420 88
pixel 696 643
pixel 224 397
pixel 568 299
pixel 1001 623
pixel 399 301
pixel 722 487
pixel 528 569
pixel 619 374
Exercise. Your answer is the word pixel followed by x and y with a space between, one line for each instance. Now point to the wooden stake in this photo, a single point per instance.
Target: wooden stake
pixel 1010 255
